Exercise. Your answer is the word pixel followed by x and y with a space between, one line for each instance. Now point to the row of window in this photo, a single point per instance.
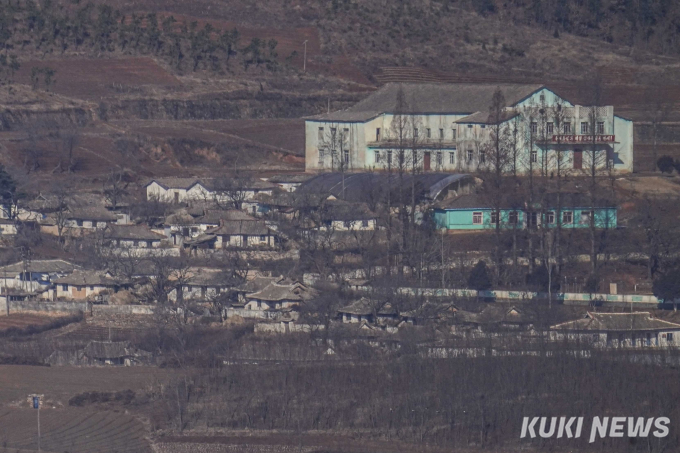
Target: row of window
pixel 566 128
pixel 513 217
pixel 416 133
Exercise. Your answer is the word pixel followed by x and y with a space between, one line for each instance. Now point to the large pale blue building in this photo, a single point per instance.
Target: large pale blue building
pixel 447 128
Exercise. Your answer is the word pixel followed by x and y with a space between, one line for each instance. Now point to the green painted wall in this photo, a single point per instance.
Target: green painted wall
pixel 461 219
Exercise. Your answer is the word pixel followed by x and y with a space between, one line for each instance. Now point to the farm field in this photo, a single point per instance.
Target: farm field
pixel 92 79
pixel 59 384
pixel 72 430
pixel 21 320
pixel 286 442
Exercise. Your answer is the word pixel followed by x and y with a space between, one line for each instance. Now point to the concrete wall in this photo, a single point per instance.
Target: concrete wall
pixel 462 219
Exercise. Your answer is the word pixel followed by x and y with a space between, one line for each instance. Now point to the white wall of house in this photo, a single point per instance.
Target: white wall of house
pixel 627 339
pixel 239 240
pixel 351 225
pixel 79 291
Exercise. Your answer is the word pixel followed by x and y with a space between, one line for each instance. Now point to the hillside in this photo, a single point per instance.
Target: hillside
pixel 185 87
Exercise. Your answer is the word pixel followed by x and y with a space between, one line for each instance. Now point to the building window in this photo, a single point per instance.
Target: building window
pixel 377 134
pixel 513 218
pixel 669 337
pixel 469 126
pixel 584 127
pixel 389 157
pixel 532 219
pixel 567 127
pixel 534 127
pixel 64 287
pixel 415 133
pixel 476 218
pixel 470 155
pixel 345 136
pixel 263 238
pixel 79 223
pixel 585 217
pixel 91 288
pixel 550 217
pixel 453 134
pixel 600 127
pixel 439 158
pixel 364 223
pixel 321 134
pixel 452 157
pixel 494 217
pixel 346 157
pixel 429 132
pixel 482 156
pixel 483 126
pixel 377 157
pixel 542 97
pixel 549 128
pixel 534 156
pixel 567 217
pixel 441 134
pixel 135 243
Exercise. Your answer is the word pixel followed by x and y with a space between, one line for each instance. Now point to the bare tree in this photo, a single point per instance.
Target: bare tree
pixel 115 187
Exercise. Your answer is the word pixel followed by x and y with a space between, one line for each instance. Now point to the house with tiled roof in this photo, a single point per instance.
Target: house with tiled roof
pixel 277 296
pixel 619 330
pixel 133 237
pixel 87 284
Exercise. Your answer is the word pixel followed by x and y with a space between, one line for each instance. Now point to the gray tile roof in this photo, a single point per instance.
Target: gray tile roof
pixel 600 322
pixel 39 266
pixel 135 232
pixel 275 292
pixel 258 283
pixel 242 227
pixel 430 98
pixel 174 183
pixel 88 278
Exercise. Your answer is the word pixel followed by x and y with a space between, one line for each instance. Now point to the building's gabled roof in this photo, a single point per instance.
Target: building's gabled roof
pixel 38 267
pixel 605 322
pixel 364 307
pixel 213 217
pixel 133 232
pixel 485 118
pixel 478 201
pixel 208 277
pixel 340 210
pixel 494 314
pixel 258 284
pixel 275 292
pixel 96 213
pixel 368 187
pixel 174 183
pixel 89 278
pixel 289 178
pixel 435 98
pixel 241 227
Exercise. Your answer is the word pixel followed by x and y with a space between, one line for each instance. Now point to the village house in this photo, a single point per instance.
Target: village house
pixel 493 318
pixel 619 330
pixel 364 310
pixel 224 191
pixel 34 275
pixel 258 283
pixel 182 225
pixel 449 129
pixel 476 212
pixel 277 296
pixel 133 237
pixel 88 284
pixel 245 234
pixel 205 284
pixel 89 218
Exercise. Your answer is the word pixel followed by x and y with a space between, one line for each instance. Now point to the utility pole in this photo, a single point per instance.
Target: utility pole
pixel 304 58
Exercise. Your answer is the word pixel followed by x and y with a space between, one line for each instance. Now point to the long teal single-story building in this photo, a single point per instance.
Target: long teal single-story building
pixel 477 212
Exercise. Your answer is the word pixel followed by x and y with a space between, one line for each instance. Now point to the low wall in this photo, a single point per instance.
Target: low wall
pixel 519 296
pixel 281 327
pixel 46 307
pixel 122 310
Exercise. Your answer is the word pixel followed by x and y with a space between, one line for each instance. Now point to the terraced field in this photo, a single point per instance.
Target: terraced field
pixel 72 430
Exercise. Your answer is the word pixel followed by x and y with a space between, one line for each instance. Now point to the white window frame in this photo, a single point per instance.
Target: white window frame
pixel 600 127
pixel 566 127
pixel 452 157
pixel 470 155
pixel 550 217
pixel 550 128
pixel 566 214
pixel 377 156
pixel 585 128
pixel 477 217
pixel 534 156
